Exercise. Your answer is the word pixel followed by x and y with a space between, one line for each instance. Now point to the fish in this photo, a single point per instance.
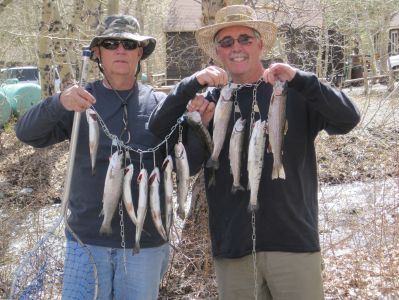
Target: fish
pixel 127 193
pixel 142 181
pixel 155 204
pixel 183 177
pixel 167 168
pixel 112 191
pixel 194 120
pixel 277 127
pixel 94 137
pixel 223 110
pixel 235 151
pixel 256 151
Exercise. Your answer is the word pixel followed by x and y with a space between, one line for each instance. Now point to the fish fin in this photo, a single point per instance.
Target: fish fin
pixel 285 127
pixel 281 172
pixel 93 171
pixel 275 172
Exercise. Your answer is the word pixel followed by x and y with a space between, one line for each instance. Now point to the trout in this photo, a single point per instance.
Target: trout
pixel 112 191
pixel 167 168
pixel 183 176
pixel 277 127
pixel 155 204
pixel 94 137
pixel 194 120
pixel 256 151
pixel 142 181
pixel 127 193
pixel 235 151
pixel 223 110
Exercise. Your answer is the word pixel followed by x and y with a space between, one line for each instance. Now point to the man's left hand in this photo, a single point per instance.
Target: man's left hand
pixel 204 107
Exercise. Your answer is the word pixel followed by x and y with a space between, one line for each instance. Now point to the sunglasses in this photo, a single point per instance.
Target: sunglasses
pixel 229 41
pixel 114 44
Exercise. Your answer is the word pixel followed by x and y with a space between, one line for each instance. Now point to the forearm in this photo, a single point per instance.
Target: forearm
pixel 339 112
pixel 173 106
pixel 44 124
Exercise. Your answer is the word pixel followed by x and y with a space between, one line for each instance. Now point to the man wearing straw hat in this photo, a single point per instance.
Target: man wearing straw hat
pixel 99 261
pixel 273 253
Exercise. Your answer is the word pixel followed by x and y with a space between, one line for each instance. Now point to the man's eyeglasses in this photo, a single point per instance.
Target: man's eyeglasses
pixel 114 44
pixel 229 41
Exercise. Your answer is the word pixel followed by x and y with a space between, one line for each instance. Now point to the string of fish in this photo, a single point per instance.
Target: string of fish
pixel 143 181
pixel 257 142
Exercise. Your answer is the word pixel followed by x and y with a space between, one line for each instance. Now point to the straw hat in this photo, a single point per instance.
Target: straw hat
pixel 122 27
pixel 235 15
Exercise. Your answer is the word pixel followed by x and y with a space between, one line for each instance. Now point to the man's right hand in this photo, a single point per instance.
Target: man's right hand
pixel 76 99
pixel 212 76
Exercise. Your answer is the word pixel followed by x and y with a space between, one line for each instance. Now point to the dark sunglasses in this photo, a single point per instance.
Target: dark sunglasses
pixel 113 44
pixel 229 41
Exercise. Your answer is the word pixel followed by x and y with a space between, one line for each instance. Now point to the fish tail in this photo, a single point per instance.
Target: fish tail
pixel 236 188
pixel 162 233
pixel 212 180
pixel 282 172
pixel 105 230
pixel 212 163
pixel 278 172
pixel 181 213
pixel 252 207
pixel 136 248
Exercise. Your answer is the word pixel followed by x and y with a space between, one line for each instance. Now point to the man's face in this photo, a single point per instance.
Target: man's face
pixel 242 58
pixel 119 61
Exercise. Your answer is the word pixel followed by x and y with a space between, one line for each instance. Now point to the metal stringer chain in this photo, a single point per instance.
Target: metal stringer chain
pixel 253 219
pixel 122 145
pixel 254 110
pixel 122 225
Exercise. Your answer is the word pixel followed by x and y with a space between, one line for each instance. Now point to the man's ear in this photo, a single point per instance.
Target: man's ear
pixel 141 51
pixel 96 52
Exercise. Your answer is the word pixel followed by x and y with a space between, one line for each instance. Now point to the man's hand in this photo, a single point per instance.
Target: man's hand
pixel 212 76
pixel 76 99
pixel 279 71
pixel 203 106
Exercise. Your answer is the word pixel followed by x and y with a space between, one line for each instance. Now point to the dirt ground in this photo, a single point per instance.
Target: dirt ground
pixel 31 179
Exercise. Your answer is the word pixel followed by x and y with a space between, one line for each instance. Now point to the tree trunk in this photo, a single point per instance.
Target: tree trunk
pixel 44 49
pixel 62 59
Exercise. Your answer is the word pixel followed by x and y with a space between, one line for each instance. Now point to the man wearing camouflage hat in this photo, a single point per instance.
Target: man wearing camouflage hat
pixel 103 265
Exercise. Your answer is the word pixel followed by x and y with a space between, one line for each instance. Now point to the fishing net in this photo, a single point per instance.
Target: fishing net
pixel 40 274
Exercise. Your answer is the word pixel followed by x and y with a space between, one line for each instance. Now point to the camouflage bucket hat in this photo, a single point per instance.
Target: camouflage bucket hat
pixel 122 27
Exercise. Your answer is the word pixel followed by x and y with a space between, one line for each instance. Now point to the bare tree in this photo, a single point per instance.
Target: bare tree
pixel 44 49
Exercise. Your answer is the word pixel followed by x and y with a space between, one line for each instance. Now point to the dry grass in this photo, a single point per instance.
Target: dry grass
pixel 359 237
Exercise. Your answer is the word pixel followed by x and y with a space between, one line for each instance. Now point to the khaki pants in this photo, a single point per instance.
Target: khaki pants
pixel 280 276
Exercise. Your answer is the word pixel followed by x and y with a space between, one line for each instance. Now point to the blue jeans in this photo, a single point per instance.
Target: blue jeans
pixel 140 280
